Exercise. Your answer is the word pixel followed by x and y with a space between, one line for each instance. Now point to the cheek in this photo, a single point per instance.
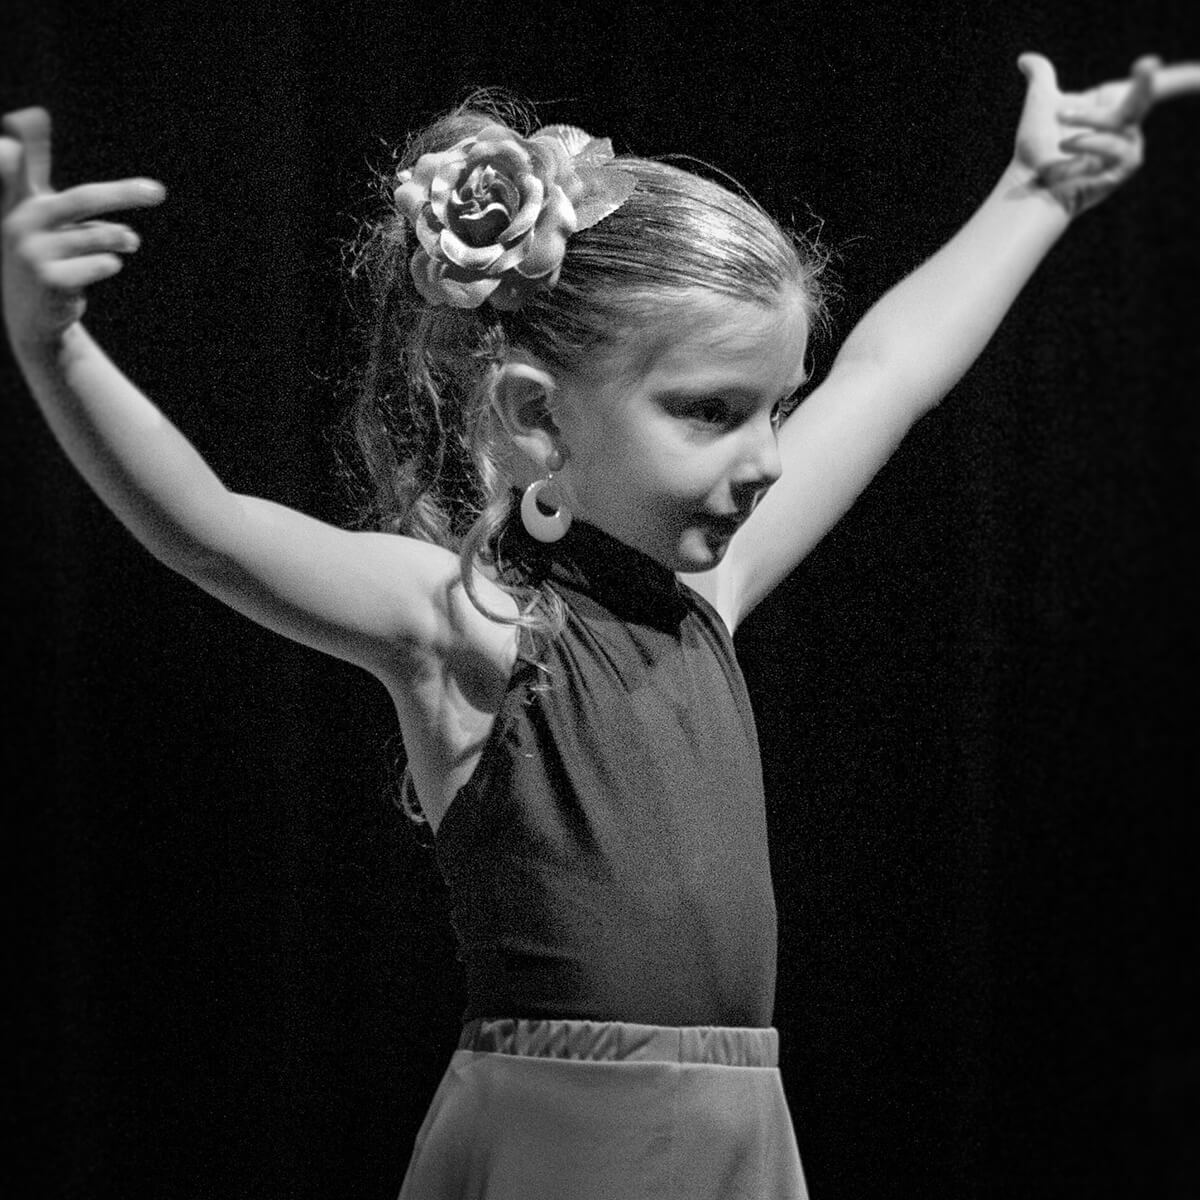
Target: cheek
pixel 613 492
pixel 603 486
pixel 619 468
pixel 601 462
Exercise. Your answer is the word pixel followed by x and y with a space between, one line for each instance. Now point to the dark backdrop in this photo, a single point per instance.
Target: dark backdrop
pixel 232 972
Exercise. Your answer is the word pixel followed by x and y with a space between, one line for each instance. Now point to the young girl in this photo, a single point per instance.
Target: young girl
pixel 575 397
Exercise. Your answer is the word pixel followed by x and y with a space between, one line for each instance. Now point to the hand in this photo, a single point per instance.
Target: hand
pixel 1080 146
pixel 53 245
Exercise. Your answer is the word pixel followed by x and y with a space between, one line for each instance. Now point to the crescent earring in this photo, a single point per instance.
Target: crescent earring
pixel 543 525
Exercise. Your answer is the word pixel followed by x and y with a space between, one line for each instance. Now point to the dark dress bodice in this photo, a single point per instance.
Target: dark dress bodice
pixel 607 860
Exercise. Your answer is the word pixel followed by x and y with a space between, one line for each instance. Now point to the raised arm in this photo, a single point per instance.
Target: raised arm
pixel 364 597
pixel 916 342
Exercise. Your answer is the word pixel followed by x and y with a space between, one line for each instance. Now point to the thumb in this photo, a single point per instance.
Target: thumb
pixel 1039 72
pixel 10 170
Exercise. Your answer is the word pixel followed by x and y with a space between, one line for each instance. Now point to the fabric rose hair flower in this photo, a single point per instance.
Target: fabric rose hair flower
pixel 493 213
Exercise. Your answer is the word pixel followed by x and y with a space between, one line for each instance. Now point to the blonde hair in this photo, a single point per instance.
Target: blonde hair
pixel 423 420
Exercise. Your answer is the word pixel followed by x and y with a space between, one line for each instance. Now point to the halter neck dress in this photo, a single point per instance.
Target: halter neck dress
pixel 611 892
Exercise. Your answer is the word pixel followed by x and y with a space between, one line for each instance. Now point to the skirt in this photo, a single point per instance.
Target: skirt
pixel 588 1110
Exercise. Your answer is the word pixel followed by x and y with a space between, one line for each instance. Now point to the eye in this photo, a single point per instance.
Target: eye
pixel 785 408
pixel 709 411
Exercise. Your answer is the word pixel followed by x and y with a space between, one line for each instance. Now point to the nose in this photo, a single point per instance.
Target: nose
pixel 760 464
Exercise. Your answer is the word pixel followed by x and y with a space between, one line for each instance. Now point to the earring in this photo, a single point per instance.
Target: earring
pixel 541 525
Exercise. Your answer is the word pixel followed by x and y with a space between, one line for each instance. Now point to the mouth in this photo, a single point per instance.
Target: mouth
pixel 726 526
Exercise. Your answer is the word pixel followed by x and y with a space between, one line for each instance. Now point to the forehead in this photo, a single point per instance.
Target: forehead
pixel 705 340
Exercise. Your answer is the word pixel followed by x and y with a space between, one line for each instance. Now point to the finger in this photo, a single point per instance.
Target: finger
pixel 1088 119
pixel 1114 149
pixel 1097 107
pixel 77 241
pixel 1041 84
pixel 76 274
pixel 1065 170
pixel 1081 174
pixel 94 199
pixel 1038 71
pixel 10 170
pixel 1140 97
pixel 1176 80
pixel 31 127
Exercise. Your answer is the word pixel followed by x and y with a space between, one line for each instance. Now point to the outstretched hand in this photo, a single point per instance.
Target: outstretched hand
pixel 1080 146
pixel 54 247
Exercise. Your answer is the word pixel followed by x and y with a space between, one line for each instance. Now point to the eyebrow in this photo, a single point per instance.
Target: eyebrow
pixel 728 388
pixel 731 390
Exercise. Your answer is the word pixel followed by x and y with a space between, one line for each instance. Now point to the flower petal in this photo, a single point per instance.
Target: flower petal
pixel 442 186
pixel 427 230
pixel 484 185
pixel 507 192
pixel 416 182
pixel 440 283
pixel 548 242
pixel 513 255
pixel 495 132
pixel 506 157
pixel 469 258
pixel 428 165
pixel 549 159
pixel 410 198
pixel 469 294
pixel 571 184
pixel 534 194
pixel 479 227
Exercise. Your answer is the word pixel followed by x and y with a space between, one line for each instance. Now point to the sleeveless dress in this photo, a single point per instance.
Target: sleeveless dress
pixel 611 892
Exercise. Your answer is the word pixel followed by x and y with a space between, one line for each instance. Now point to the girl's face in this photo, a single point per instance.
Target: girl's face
pixel 670 441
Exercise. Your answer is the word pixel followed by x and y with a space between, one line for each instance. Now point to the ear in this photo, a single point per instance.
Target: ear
pixel 523 399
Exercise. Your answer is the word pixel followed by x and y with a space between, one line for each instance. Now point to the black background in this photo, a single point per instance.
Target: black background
pixel 232 970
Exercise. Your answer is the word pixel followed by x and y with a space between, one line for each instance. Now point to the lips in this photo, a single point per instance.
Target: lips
pixel 727 525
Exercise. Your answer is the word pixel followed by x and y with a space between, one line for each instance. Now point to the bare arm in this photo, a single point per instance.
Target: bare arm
pixel 917 341
pixel 368 598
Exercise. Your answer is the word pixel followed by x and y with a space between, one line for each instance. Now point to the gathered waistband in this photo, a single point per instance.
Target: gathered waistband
pixel 619 1041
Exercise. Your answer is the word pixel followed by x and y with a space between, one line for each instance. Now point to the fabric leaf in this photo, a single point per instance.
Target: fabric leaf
pixel 605 190
pixel 571 136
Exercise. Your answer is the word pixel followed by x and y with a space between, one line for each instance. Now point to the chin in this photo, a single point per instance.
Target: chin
pixel 699 551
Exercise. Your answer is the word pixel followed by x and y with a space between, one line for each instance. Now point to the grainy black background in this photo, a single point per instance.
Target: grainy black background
pixel 232 971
